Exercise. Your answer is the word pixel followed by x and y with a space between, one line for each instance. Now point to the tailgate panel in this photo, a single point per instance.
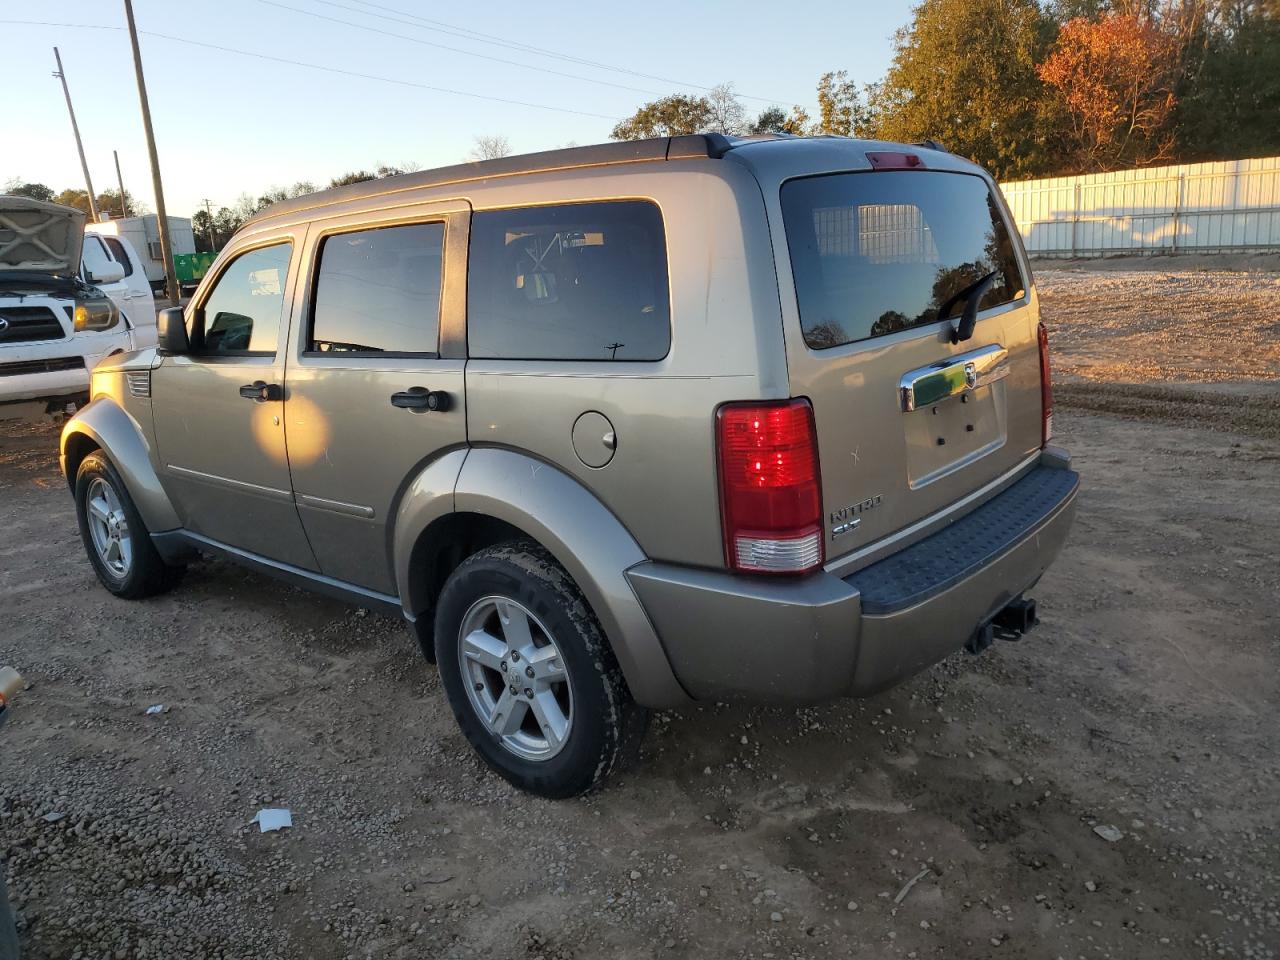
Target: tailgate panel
pixel 944 437
pixel 882 266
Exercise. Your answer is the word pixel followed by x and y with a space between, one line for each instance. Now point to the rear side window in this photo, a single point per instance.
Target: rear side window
pixel 874 253
pixel 583 281
pixel 378 291
pixel 118 251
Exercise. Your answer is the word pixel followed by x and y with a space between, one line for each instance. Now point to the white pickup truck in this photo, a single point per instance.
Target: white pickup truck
pixel 68 298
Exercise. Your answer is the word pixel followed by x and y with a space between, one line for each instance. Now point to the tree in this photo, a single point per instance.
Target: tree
pixel 490 147
pixel 356 176
pixel 840 110
pixel 727 114
pixel 36 191
pixel 797 122
pixel 770 120
pixel 1116 76
pixel 964 73
pixel 1229 96
pixel 299 189
pixel 671 116
pixel 108 202
pixel 201 224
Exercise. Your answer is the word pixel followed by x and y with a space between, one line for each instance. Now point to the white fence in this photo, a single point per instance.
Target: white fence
pixel 1231 205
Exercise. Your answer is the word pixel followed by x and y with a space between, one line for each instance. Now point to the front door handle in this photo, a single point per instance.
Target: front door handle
pixel 420 398
pixel 260 390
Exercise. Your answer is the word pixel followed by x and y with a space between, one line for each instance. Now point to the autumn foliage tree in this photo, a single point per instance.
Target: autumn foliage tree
pixel 671 116
pixel 1116 77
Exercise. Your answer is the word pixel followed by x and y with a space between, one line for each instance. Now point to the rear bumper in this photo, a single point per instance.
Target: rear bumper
pixel 733 637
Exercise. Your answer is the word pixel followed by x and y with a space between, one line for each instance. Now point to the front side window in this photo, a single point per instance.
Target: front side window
pixel 118 251
pixel 582 281
pixel 378 291
pixel 874 253
pixel 242 314
pixel 94 257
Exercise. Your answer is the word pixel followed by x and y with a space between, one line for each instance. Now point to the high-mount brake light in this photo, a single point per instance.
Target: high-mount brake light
pixel 770 491
pixel 888 160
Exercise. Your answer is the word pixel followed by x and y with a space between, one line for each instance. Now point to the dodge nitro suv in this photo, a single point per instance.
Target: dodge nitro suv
pixel 612 428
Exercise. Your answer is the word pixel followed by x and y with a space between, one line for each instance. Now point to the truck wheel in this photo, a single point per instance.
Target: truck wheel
pixel 117 541
pixel 530 677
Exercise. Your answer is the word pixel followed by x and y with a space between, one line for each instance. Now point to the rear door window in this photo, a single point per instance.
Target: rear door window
pixel 874 253
pixel 378 291
pixel 582 281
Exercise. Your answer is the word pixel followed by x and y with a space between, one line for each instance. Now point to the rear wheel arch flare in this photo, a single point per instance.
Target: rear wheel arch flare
pixel 445 543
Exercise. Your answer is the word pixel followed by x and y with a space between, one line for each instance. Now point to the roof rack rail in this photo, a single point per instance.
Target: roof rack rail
pixel 710 146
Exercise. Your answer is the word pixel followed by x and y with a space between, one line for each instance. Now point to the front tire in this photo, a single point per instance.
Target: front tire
pixel 528 672
pixel 115 538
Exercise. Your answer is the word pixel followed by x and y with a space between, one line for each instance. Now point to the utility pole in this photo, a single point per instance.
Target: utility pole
pixel 124 205
pixel 75 128
pixel 213 243
pixel 162 218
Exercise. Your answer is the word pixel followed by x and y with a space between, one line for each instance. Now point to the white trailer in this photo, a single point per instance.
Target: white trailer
pixel 144 233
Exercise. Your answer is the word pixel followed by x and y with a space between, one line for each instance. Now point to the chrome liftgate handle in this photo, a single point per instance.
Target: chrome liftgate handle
pixel 951 377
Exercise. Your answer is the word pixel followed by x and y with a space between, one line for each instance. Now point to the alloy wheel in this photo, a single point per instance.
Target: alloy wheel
pixel 515 677
pixel 109 527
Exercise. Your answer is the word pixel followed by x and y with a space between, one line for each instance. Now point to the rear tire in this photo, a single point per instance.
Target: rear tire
pixel 531 678
pixel 115 538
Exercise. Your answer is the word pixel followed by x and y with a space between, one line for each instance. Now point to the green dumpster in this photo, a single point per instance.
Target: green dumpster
pixel 191 267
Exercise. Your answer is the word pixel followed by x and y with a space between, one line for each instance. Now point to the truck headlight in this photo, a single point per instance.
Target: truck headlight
pixel 96 314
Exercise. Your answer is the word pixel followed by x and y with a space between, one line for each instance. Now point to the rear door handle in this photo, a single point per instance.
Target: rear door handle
pixel 420 398
pixel 260 390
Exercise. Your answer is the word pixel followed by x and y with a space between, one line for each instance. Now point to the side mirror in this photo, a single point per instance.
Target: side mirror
pixel 171 331
pixel 106 273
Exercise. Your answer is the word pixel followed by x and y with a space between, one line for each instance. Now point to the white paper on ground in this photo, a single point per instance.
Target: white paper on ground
pixel 273 819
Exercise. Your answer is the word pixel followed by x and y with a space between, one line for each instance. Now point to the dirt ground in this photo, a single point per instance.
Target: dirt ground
pixel 1146 702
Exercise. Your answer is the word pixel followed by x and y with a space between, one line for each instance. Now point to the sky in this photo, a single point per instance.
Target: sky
pixel 228 124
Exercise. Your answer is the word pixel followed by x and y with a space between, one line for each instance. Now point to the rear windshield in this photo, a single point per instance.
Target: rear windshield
pixel 873 253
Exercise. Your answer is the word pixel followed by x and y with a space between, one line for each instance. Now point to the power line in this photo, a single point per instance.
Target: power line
pixel 467 53
pixel 441 26
pixel 323 67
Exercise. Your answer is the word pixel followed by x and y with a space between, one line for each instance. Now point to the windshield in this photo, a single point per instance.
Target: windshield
pixel 874 253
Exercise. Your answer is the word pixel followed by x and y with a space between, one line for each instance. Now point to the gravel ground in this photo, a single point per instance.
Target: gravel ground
pixel 1105 788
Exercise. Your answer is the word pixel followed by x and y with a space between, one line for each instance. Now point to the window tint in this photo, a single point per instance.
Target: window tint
pixel 94 256
pixel 585 281
pixel 873 253
pixel 118 251
pixel 242 315
pixel 379 290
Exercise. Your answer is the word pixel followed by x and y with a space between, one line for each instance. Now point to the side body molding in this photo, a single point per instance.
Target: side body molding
pixel 122 438
pixel 589 542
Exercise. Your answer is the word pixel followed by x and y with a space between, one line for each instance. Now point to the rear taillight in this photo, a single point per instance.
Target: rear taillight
pixel 1046 387
pixel 770 494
